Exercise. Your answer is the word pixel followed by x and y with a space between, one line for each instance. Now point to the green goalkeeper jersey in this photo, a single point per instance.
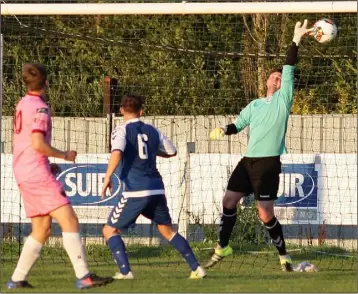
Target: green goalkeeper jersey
pixel 267 119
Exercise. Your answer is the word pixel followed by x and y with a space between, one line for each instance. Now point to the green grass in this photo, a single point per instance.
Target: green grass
pixel 161 270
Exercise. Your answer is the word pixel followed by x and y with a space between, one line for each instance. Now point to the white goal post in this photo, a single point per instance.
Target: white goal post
pixel 182 8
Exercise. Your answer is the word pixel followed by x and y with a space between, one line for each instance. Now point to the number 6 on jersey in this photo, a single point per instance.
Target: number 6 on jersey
pixel 142 146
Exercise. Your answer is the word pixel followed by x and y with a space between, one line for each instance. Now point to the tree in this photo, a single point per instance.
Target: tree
pixel 195 64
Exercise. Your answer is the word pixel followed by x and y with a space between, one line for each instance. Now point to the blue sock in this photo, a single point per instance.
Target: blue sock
pixel 118 249
pixel 184 249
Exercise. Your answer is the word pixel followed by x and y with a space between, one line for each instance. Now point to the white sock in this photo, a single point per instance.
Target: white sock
pixel 75 250
pixel 29 254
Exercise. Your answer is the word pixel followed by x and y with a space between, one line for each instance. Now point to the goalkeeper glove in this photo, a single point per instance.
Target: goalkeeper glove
pixel 217 134
pixel 300 31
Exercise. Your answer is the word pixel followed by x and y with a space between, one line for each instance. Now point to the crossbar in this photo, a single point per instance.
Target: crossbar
pixel 182 8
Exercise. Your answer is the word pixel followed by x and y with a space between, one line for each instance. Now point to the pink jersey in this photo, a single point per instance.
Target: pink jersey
pixel 32 115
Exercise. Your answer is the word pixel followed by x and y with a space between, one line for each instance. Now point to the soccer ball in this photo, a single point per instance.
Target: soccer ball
pixel 324 30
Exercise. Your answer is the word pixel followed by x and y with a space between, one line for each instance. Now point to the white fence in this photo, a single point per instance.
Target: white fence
pixel 305 134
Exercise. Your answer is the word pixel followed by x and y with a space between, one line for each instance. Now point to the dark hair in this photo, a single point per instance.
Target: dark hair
pixel 34 76
pixel 132 103
pixel 276 70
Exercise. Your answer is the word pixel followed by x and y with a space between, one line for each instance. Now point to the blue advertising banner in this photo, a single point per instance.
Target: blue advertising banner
pixel 83 184
pixel 298 187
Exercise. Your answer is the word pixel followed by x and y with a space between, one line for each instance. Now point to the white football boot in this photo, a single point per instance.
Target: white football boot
pixel 199 273
pixel 119 276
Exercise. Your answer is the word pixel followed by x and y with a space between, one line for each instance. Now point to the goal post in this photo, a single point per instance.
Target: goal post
pixel 198 65
pixel 183 8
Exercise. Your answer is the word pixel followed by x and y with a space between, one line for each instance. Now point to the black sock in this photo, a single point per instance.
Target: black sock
pixel 275 230
pixel 227 223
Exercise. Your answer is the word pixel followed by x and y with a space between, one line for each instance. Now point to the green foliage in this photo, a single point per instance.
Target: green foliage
pixel 184 65
pixel 247 230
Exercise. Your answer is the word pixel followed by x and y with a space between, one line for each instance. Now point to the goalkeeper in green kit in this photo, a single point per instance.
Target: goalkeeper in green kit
pixel 258 171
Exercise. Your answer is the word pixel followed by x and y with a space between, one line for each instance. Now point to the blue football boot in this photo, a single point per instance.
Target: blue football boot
pixel 92 280
pixel 19 284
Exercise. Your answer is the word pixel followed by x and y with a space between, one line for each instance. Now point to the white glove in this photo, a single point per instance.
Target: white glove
pixel 300 31
pixel 217 134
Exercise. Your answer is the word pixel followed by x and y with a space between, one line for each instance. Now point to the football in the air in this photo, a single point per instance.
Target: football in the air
pixel 324 30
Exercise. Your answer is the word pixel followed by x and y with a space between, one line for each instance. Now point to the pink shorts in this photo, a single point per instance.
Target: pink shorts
pixel 42 197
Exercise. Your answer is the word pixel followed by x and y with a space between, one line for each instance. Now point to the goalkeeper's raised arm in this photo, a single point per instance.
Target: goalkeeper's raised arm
pixel 280 81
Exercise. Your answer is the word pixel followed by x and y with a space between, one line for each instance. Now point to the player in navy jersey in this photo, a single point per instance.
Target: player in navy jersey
pixel 135 147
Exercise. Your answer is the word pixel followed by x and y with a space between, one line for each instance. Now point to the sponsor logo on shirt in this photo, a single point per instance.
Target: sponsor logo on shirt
pixel 42 110
pixel 268 100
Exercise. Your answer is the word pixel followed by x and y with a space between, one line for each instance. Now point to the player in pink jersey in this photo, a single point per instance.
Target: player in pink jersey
pixel 43 196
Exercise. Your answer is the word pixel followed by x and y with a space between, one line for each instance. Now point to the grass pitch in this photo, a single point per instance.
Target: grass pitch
pixel 160 269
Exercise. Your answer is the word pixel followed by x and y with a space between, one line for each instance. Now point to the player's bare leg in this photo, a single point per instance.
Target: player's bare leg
pixel 183 247
pixel 41 230
pixel 68 221
pixel 227 223
pixel 118 250
pixel 274 228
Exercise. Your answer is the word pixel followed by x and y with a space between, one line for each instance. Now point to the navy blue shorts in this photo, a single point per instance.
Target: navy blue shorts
pixel 126 212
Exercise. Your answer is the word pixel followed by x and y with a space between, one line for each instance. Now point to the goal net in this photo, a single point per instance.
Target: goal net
pixel 197 71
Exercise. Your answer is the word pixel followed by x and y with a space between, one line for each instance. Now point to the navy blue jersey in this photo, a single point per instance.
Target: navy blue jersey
pixel 140 143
